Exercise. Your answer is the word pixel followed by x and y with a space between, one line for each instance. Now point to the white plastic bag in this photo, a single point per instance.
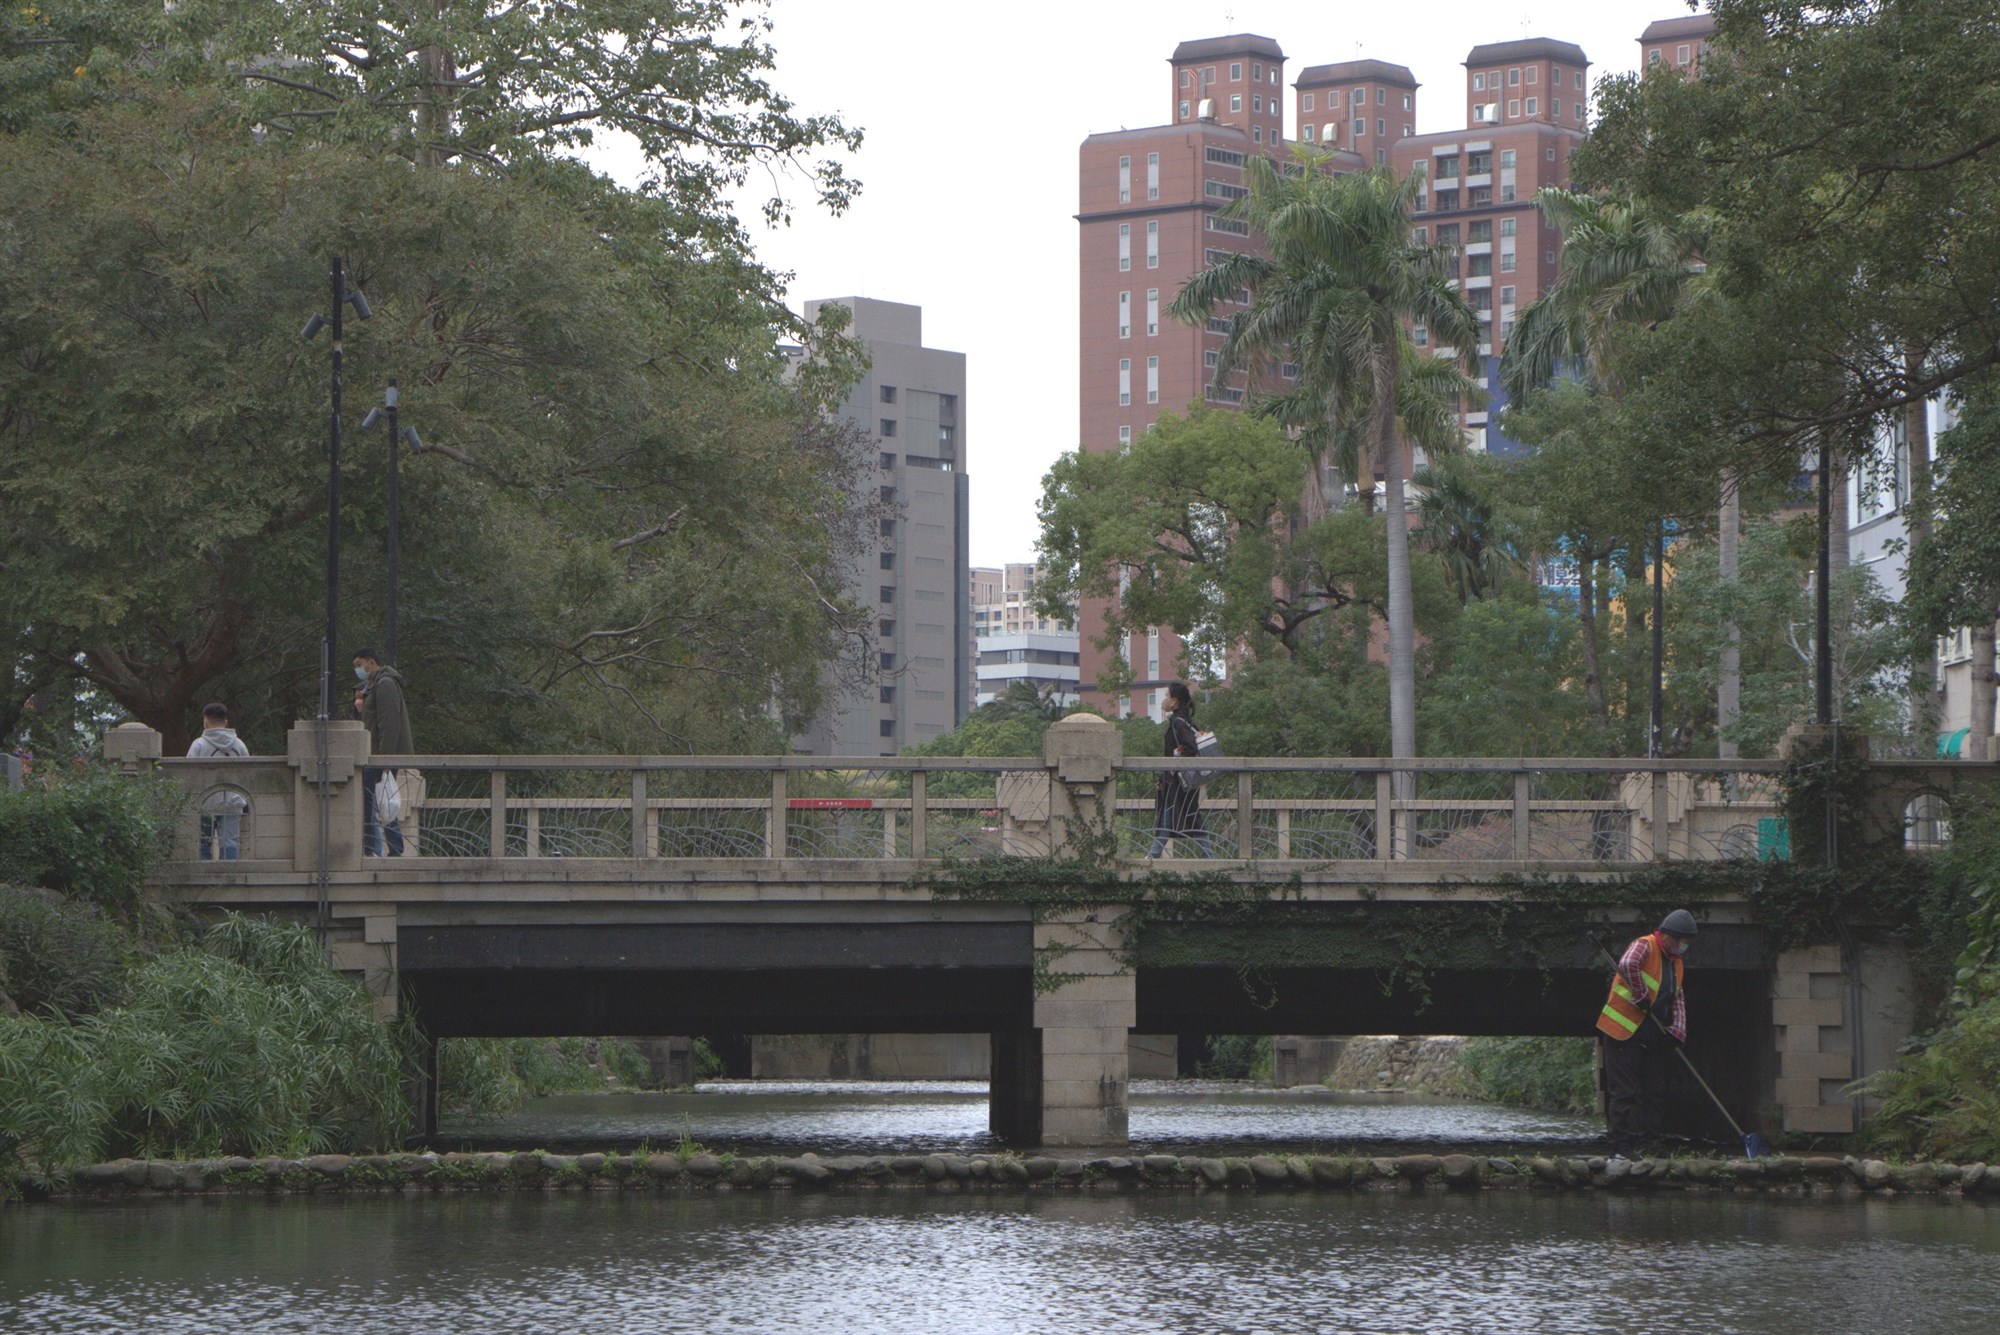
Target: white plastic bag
pixel 388 799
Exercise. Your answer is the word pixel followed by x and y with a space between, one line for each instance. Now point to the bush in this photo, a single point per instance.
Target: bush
pixel 1553 1074
pixel 1942 1101
pixel 92 835
pixel 58 956
pixel 1236 1057
pixel 485 1077
pixel 249 1045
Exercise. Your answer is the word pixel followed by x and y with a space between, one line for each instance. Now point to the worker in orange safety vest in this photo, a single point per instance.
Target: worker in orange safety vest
pixel 1643 1020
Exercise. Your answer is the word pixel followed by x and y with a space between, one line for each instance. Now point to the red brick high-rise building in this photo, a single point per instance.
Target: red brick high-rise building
pixel 1149 202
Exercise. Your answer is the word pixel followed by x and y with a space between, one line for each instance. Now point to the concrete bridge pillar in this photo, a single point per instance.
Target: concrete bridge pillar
pixel 345 753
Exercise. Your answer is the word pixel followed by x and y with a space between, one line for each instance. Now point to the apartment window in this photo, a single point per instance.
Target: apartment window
pixel 1479 83
pixel 1256 72
pixel 1513 106
pixel 1233 226
pixel 1235 71
pixel 1124 435
pixel 1579 81
pixel 1423 235
pixel 1289 370
pixel 1506 296
pixel 1446 169
pixel 888 459
pixel 1556 107
pixel 1548 257
pixel 1257 133
pixel 1653 56
pixel 1479 164
pixel 888 630
pixel 1506 261
pixel 1306 102
pixel 1236 101
pixel 1447 200
pixel 1381 156
pixel 1681 54
pixel 1152 176
pixel 1184 111
pixel 1381 127
pixel 1480 298
pixel 1329 132
pixel 888 696
pixel 1153 244
pixel 1533 72
pixel 1513 77
pixel 1152 312
pixel 1447 234
pixel 1124 315
pixel 1124 246
pixel 1222 190
pixel 1360 128
pixel 888 660
pixel 887 528
pixel 1381 97
pixel 1482 195
pixel 1507 227
pixel 888 593
pixel 1357 97
pixel 1406 130
pixel 1555 77
pixel 1479 266
pixel 1211 359
pixel 1124 382
pixel 1152 379
pixel 1481 230
pixel 1406 106
pixel 1274 75
pixel 888 560
pixel 1506 159
pixel 1257 103
pixel 888 393
pixel 1507 194
pixel 888 425
pixel 1306 132
pixel 1531 105
pixel 1549 153
pixel 888 495
pixel 1124 180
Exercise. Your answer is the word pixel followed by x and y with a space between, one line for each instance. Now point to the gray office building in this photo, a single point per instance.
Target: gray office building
pixel 912 401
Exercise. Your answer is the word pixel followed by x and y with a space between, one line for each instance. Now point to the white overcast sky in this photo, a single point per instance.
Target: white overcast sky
pixel 973 114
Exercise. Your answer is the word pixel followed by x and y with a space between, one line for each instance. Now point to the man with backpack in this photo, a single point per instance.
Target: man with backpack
pixel 222 810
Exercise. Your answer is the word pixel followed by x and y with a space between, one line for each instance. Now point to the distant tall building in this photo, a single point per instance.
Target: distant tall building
pixel 1149 206
pixel 1015 641
pixel 912 402
pixel 1680 43
pixel 1525 111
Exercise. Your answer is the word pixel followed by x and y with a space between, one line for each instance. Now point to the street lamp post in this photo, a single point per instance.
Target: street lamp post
pixel 342 298
pixel 398 436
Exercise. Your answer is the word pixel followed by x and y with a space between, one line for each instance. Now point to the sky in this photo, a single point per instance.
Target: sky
pixel 973 114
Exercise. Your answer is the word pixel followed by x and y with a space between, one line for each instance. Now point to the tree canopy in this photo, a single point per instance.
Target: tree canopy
pixel 627 525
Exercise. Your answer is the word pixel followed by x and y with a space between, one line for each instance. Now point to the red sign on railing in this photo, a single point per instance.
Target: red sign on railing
pixel 831 803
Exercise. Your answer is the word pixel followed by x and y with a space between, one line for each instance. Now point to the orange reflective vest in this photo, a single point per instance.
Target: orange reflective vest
pixel 1623 1013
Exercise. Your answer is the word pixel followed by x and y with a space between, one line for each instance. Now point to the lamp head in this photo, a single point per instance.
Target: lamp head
pixel 374 416
pixel 360 304
pixel 313 326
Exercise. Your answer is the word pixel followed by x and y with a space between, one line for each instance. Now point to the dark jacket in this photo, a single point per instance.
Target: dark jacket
pixel 1176 803
pixel 387 717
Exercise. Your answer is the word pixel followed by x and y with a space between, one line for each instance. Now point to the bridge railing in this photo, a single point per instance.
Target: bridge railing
pixel 1459 810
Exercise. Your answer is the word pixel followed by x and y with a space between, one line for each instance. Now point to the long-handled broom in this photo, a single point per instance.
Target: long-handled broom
pixel 1754 1145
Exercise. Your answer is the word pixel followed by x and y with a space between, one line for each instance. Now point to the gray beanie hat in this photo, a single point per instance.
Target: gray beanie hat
pixel 1680 922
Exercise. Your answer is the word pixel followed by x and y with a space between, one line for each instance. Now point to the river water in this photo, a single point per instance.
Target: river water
pixel 909 1262
pixel 939 1116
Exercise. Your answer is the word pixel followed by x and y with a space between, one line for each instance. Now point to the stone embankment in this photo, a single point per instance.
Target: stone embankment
pixel 1419 1065
pixel 1820 1176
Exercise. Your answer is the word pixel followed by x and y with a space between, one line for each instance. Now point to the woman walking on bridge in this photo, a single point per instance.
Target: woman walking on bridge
pixel 1176 802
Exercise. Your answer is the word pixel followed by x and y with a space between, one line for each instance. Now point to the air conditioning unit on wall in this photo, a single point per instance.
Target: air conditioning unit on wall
pixel 1486 113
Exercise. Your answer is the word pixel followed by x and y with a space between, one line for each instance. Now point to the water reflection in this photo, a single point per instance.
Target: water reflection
pixel 932 1116
pixel 898 1262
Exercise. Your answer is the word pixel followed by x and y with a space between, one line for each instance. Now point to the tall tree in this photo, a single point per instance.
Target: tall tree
pixel 1342 280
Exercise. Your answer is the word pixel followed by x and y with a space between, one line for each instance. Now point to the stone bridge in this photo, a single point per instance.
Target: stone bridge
pixel 623 895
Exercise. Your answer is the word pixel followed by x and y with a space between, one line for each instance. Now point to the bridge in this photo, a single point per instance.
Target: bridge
pixel 622 895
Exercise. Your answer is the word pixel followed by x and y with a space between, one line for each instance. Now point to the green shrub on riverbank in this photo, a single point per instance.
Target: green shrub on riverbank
pixel 245 1044
pixel 1942 1100
pixel 486 1077
pixel 1553 1074
pixel 90 834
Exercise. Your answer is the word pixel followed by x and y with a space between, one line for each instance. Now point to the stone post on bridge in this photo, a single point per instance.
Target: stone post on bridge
pixel 1064 1081
pixel 346 754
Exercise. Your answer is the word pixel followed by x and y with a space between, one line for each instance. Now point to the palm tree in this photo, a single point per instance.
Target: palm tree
pixel 1334 298
pixel 1458 524
pixel 1624 262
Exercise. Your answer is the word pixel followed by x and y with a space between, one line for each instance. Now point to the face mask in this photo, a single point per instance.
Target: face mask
pixel 1679 948
pixel 361 674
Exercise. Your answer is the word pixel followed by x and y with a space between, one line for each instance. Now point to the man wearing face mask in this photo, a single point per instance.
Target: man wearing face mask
pixel 1644 1018
pixel 380 691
